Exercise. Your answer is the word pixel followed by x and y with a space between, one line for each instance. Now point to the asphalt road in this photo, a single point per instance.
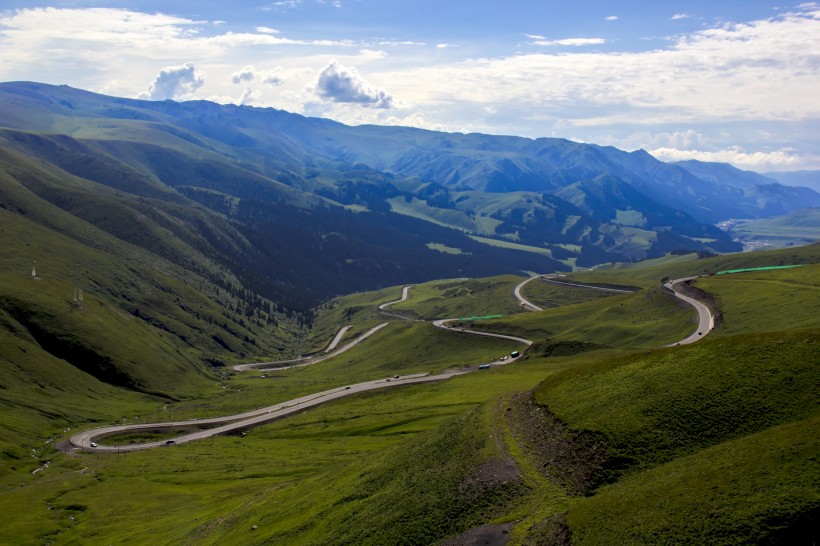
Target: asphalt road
pixel 442 323
pixel 706 322
pixel 525 303
pixel 238 422
pixel 222 425
pixel 306 361
pixel 404 293
pixel 551 278
pixel 342 331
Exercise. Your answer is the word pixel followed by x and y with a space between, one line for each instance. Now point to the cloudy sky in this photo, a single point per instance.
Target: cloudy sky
pixel 719 81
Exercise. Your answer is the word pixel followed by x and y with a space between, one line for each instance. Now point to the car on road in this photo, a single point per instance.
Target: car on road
pixel 347 388
pixel 170 443
pixel 93 444
pixel 483 366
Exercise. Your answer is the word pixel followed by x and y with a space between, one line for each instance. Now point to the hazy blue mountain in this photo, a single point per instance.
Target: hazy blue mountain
pixel 807 179
pixel 762 196
pixel 724 174
pixel 245 164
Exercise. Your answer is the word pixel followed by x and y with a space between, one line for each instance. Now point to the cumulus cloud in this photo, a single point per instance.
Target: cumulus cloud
pixel 756 73
pixel 734 155
pixel 250 73
pixel 271 78
pixel 339 83
pixel 175 82
pixel 611 18
pixel 245 75
pixel 761 70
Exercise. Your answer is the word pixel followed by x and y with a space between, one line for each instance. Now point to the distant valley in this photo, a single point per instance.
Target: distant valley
pixel 173 268
pixel 368 205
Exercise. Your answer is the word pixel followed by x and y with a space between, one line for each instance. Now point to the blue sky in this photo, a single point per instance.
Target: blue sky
pixel 718 81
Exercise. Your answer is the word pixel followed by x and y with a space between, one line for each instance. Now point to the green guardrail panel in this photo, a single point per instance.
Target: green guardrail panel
pixel 767 268
pixel 487 317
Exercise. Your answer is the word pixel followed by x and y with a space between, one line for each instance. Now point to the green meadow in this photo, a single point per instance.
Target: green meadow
pixel 713 442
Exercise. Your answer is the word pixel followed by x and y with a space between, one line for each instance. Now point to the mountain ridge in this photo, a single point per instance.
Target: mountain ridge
pixel 503 187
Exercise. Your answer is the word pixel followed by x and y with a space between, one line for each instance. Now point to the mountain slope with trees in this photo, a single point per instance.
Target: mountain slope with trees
pixel 508 189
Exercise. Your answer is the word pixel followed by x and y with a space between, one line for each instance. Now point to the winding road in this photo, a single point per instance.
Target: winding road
pixel 337 338
pixel 222 425
pixel 242 421
pixel 306 361
pixel 706 321
pixel 525 303
pixel 442 323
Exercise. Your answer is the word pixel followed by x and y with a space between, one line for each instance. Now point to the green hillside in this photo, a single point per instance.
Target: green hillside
pixel 245 163
pixel 571 445
pixel 148 247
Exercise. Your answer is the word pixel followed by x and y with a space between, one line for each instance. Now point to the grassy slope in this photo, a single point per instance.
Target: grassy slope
pixel 705 429
pixel 648 318
pixel 171 285
pixel 759 301
pixel 195 495
pixel 462 297
pixel 670 402
pixel 758 489
pixel 145 325
pixel 547 294
pixel 672 267
pixel 329 473
pixel 301 480
pixel 359 311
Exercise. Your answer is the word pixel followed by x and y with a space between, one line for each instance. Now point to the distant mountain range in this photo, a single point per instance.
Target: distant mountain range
pixel 299 209
pixel 808 179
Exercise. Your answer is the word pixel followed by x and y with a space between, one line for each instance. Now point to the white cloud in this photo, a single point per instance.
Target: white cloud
pixel 611 18
pixel 249 73
pixel 372 54
pixel 758 73
pixel 445 45
pixel 339 83
pixel 282 5
pixel 686 139
pixel 403 43
pixel 245 75
pixel 779 159
pixel 271 78
pixel 175 82
pixel 247 97
pixel 571 42
pixel 679 16
pixel 762 70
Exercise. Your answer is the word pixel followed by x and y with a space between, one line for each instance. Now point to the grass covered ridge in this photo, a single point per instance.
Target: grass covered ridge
pixel 758 489
pixel 710 440
pixel 672 419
